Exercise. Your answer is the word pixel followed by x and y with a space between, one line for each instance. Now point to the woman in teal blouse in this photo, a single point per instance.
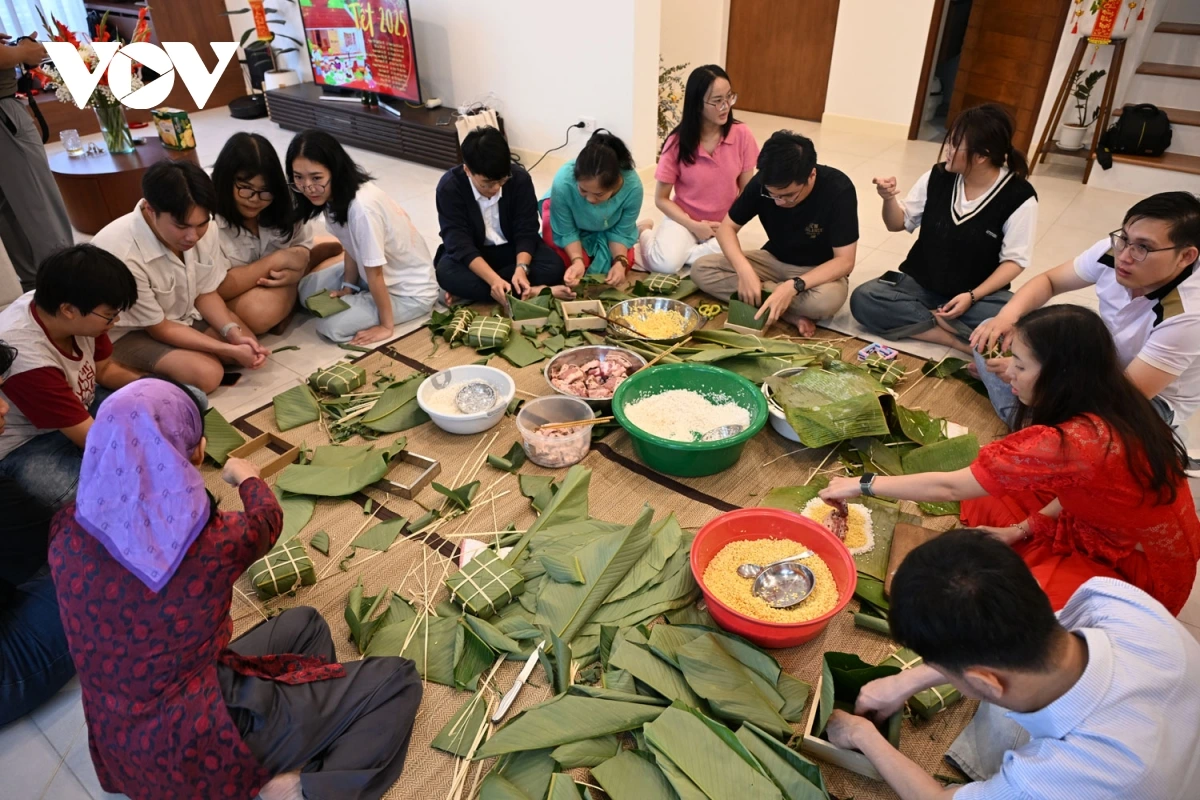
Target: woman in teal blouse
pixel 590 215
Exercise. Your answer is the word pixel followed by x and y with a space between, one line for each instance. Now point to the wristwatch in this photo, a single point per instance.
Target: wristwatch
pixel 227 327
pixel 800 285
pixel 523 266
pixel 865 483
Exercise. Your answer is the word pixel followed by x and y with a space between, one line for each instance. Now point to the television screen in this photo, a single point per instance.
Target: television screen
pixel 364 45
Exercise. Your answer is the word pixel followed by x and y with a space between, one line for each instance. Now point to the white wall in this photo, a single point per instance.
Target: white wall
pixel 694 32
pixel 877 55
pixel 290 13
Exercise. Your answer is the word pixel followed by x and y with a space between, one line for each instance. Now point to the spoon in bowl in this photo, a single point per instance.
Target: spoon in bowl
pixel 753 570
pixel 723 432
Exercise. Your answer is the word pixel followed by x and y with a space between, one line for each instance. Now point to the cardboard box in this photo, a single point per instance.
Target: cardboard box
pixel 568 308
pixel 174 128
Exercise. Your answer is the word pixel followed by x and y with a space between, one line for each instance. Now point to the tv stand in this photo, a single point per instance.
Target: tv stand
pixel 414 135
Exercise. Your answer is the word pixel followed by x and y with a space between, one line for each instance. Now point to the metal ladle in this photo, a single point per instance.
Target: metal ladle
pixel 475 397
pixel 749 570
pixel 723 432
pixel 784 585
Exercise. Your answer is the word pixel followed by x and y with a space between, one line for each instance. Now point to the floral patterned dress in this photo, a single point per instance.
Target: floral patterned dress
pixel 158 725
pixel 1108 526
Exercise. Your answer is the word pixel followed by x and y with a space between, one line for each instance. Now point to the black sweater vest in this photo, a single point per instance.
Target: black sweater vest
pixel 955 254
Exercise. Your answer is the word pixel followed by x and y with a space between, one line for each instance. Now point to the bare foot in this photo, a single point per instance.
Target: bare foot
pixel 644 225
pixel 806 327
pixel 283 787
pixel 448 299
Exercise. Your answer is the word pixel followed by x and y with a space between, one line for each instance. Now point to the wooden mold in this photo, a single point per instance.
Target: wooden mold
pixel 572 307
pixel 269 441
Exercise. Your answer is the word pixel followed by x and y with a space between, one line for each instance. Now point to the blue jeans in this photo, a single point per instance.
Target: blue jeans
pixel 47 466
pixel 906 309
pixel 362 313
pixel 34 660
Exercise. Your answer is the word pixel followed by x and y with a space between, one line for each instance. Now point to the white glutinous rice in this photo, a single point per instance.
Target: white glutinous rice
pixel 684 415
pixel 441 400
pixel 860 532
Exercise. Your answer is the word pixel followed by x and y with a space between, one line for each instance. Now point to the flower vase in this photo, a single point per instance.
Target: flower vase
pixel 115 128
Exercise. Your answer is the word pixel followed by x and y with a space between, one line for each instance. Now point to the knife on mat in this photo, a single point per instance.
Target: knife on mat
pixel 511 695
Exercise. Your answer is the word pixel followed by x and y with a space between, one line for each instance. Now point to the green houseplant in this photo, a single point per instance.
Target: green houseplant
pixel 1072 133
pixel 255 49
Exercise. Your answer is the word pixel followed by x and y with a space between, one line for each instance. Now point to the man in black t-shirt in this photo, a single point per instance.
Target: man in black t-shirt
pixel 810 214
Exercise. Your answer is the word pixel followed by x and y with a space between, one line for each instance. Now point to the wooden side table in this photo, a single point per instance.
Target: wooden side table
pixel 98 189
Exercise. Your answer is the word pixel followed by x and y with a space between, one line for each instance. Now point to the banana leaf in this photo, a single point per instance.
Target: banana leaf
pixel 680 782
pixel 533 485
pixel 944 368
pixel 691 615
pixel 948 455
pixel 884 515
pixel 784 764
pixel 360 610
pixel 564 719
pixel 657 285
pixel 665 543
pixel 734 692
pixel 618 693
pixel 297 512
pixel 399 610
pixel 511 461
pixel 436 645
pixel 396 409
pixel 323 305
pixel 337 471
pixel 534 308
pixel 569 504
pixel 380 537
pixel 843 676
pixel 837 421
pixel 497 787
pixel 564 569
pixel 520 352
pixel 794 498
pixel 742 314
pixel 220 437
pixel 458 735
pixel 295 407
pixel 654 672
pixel 476 657
pixel 320 542
pixel 940 509
pixel 870 591
pixel 587 753
pixel 563 787
pixel 530 772
pixel 795 694
pixel 709 755
pixel 554 344
pixel 461 497
pixel 666 640
pixel 560 676
pixel 919 426
pixel 759 368
pixel 883 460
pixel 872 623
pixel 493 636
pixel 631 776
pixel 677 589
pixel 734 339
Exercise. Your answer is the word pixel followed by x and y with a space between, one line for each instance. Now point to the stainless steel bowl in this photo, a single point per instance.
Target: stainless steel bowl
pixel 644 305
pixel 778 418
pixel 580 356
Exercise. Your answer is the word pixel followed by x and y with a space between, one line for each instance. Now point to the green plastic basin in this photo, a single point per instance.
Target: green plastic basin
pixel 690 459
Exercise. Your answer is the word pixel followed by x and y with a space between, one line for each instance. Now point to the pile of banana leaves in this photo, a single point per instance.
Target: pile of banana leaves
pixel 755 358
pixel 389 406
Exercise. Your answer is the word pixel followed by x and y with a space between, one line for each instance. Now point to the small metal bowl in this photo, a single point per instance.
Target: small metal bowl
pixel 580 356
pixel 644 305
pixel 778 418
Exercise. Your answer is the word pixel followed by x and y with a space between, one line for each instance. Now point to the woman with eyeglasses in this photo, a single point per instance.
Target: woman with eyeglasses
pixel 1148 286
pixel 589 216
pixel 705 162
pixel 387 276
pixel 977 216
pixel 1092 485
pixel 268 249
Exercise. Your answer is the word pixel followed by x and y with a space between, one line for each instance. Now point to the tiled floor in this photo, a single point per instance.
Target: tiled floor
pixel 45 754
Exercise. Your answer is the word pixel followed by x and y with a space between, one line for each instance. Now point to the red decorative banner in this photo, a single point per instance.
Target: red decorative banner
pixel 1106 21
pixel 260 21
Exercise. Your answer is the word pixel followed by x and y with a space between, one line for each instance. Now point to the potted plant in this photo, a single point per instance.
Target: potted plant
pixel 263 48
pixel 670 95
pixel 1071 135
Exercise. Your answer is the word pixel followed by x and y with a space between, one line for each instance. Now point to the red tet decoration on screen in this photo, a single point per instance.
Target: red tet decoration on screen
pixel 366 45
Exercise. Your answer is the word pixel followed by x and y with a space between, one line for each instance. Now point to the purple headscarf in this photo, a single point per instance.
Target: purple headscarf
pixel 138 492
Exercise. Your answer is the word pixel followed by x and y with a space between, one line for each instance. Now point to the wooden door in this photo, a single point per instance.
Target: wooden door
pixel 1006 58
pixel 779 53
pixel 198 22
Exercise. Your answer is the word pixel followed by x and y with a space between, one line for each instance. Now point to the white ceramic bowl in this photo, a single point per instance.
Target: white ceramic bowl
pixel 778 419
pixel 468 423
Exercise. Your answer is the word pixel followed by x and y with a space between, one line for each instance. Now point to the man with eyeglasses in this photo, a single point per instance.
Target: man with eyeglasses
pixel 1149 290
pixel 488 215
pixel 810 214
pixel 62 368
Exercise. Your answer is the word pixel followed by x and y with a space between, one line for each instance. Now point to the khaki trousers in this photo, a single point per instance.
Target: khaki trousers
pixel 715 276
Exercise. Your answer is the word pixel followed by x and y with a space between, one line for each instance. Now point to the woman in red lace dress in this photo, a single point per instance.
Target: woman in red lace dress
pixel 144 566
pixel 1094 484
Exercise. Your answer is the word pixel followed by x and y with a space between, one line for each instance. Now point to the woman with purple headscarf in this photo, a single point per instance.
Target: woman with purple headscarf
pixel 144 565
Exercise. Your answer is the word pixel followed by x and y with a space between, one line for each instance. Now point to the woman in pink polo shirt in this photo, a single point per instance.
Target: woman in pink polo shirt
pixel 707 160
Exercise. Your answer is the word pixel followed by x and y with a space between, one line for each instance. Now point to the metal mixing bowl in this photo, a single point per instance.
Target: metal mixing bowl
pixel 644 305
pixel 580 356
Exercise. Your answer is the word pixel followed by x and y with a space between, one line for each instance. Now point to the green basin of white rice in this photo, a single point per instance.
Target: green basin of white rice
pixel 683 415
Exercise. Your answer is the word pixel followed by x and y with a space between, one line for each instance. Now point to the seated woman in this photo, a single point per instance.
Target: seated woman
pixel 707 160
pixel 590 214
pixel 173 708
pixel 1094 485
pixel 268 250
pixel 977 214
pixel 387 276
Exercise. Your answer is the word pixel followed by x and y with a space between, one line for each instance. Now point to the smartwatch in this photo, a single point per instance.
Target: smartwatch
pixel 800 285
pixel 866 482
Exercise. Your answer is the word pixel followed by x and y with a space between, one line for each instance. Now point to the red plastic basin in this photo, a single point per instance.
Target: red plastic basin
pixel 772 523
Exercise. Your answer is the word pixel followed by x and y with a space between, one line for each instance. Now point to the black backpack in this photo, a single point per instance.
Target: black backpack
pixel 1141 130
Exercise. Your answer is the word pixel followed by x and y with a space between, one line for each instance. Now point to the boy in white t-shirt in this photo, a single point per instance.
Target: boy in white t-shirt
pixel 1148 283
pixel 60 332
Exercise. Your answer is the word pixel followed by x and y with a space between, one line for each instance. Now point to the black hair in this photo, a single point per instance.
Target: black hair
pixel 691 121
pixel 84 276
pixel 8 354
pixel 604 157
pixel 176 187
pixel 987 130
pixel 966 599
pixel 485 152
pixel 345 175
pixel 246 156
pixel 1081 374
pixel 1180 210
pixel 786 158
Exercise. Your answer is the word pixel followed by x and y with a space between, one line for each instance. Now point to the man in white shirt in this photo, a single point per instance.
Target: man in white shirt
pixel 1101 703
pixel 180 327
pixel 1148 284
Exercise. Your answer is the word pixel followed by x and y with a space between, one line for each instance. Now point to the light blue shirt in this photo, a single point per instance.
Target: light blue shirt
pixel 1129 729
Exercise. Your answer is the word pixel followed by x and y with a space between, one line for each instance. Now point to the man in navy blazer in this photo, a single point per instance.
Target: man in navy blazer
pixel 488 214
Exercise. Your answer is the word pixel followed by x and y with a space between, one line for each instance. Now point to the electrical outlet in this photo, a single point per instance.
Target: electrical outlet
pixel 589 124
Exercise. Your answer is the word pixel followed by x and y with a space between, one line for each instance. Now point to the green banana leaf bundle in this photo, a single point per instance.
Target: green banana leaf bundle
pixel 220 437
pixel 486 333
pixel 831 404
pixel 324 305
pixel 460 321
pixel 742 314
pixel 338 380
pixel 537 307
pixel 889 372
pixel 930 702
pixel 338 471
pixel 486 584
pixel 284 568
pixel 842 677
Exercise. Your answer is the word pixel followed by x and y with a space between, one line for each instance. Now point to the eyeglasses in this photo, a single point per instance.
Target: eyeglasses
pixel 110 320
pixel 250 193
pixel 782 198
pixel 722 103
pixel 1137 252
pixel 302 186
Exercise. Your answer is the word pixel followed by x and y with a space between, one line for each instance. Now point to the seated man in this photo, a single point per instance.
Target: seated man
pixel 488 213
pixel 60 332
pixel 810 214
pixel 180 327
pixel 1101 702
pixel 1149 289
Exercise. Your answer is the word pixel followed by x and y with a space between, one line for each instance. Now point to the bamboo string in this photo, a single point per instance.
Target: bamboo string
pixel 785 455
pixel 251 603
pixel 820 466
